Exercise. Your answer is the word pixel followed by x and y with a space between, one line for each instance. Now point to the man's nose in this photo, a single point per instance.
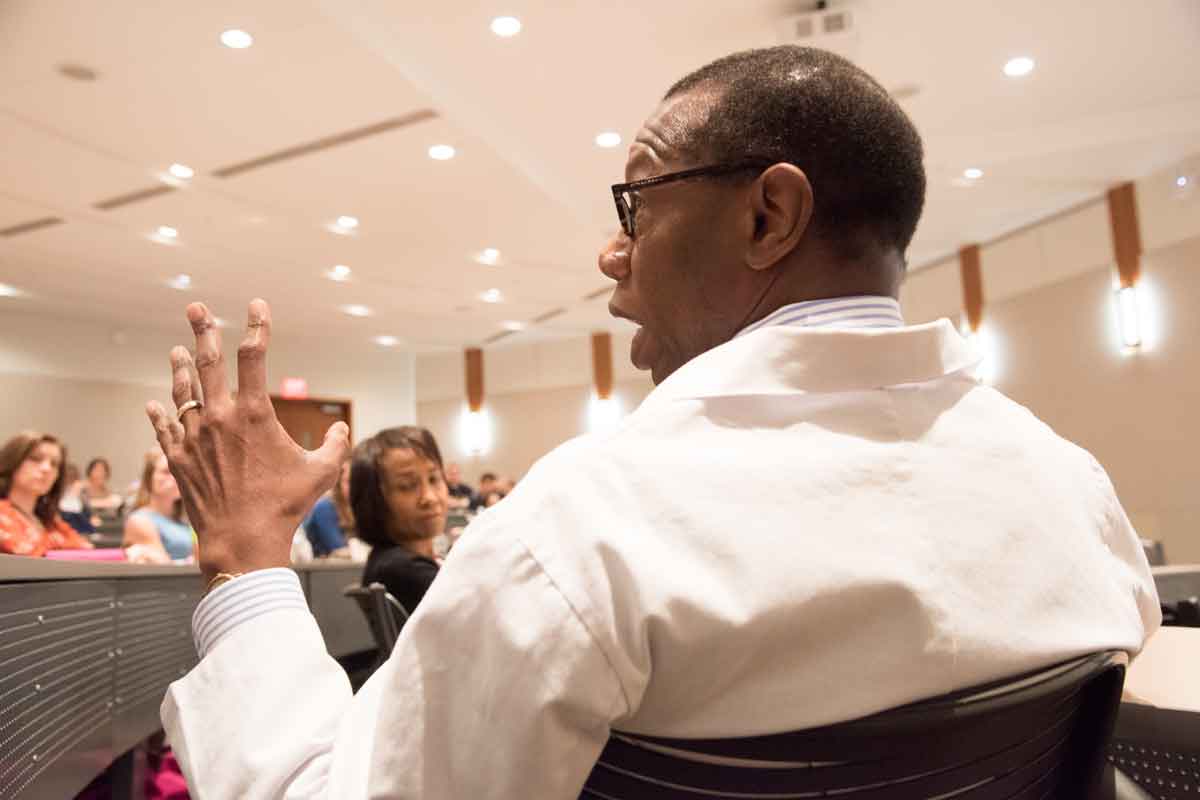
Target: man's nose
pixel 614 257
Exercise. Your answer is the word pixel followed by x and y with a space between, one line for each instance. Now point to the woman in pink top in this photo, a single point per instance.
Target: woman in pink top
pixel 31 483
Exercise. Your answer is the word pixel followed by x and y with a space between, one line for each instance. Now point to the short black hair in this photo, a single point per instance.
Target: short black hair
pixel 815 109
pixel 372 517
pixel 487 476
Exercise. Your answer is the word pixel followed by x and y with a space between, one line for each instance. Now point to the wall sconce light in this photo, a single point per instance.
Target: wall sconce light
pixel 475 431
pixel 1127 317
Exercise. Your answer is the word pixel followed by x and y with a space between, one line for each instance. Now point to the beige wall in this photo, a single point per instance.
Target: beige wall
pixel 74 379
pixel 93 418
pixel 1137 414
pixel 526 425
pixel 537 395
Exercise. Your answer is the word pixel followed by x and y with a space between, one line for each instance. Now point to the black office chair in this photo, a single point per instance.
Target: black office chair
pixel 1159 748
pixel 1183 614
pixel 384 614
pixel 1039 736
pixel 1156 556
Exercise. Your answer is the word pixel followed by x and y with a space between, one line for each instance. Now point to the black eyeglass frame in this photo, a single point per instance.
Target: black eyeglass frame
pixel 623 191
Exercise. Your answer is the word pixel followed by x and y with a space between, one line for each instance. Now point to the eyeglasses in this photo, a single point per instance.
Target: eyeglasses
pixel 626 197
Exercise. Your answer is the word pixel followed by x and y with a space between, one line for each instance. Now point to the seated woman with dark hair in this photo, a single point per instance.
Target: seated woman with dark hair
pixel 399 497
pixel 31 485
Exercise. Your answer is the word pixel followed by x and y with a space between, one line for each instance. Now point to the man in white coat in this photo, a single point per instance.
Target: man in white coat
pixel 816 515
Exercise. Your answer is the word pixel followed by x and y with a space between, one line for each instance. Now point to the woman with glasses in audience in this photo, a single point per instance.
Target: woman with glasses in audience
pixel 31 485
pixel 399 496
pixel 157 525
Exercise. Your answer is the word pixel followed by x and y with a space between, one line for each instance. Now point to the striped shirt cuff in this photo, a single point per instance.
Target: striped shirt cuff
pixel 243 599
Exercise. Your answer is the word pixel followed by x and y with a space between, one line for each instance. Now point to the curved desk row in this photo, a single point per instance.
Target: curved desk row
pixel 87 650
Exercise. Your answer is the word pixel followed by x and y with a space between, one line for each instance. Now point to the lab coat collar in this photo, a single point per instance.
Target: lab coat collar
pixel 791 359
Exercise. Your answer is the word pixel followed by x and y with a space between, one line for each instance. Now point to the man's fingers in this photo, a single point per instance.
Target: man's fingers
pixel 183 386
pixel 166 428
pixel 336 447
pixel 210 363
pixel 252 354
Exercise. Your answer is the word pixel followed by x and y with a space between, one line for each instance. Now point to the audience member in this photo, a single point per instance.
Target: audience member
pixel 130 495
pixel 71 505
pixel 31 485
pixel 488 483
pixel 461 494
pixel 330 524
pixel 398 493
pixel 96 494
pixel 157 523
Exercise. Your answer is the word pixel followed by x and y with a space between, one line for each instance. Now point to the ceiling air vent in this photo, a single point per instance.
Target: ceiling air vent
pixel 31 226
pixel 827 29
pixel 549 315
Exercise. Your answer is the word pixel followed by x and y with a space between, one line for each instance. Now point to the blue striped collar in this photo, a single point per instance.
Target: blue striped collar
pixel 860 311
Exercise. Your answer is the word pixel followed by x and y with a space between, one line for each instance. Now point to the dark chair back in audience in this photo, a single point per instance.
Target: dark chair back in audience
pixel 384 613
pixel 1041 735
pixel 1155 554
pixel 1159 748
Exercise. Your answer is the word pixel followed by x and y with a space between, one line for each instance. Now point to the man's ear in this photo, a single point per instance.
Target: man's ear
pixel 781 200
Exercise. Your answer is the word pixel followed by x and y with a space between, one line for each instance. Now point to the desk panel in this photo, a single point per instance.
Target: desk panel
pixel 57 643
pixel 88 649
pixel 154 647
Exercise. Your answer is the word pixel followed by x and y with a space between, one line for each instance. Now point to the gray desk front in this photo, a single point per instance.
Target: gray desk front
pixel 87 651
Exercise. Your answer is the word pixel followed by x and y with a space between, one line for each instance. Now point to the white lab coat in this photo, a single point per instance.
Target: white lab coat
pixel 796 528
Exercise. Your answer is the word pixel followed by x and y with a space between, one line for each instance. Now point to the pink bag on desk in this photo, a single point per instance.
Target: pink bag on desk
pixel 99 554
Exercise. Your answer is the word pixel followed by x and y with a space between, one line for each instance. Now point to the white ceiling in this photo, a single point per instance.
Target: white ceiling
pixel 1114 97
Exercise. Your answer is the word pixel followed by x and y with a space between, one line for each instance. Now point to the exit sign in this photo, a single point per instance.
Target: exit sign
pixel 294 388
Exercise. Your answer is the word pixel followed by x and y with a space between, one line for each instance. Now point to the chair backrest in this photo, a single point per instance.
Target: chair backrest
pixel 384 613
pixel 1177 583
pixel 1040 735
pixel 1155 554
pixel 1159 748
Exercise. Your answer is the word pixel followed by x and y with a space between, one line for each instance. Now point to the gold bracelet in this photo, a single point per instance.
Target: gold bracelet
pixel 219 579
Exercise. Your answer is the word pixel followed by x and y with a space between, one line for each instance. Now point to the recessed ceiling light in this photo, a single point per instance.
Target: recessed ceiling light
pixel 356 311
pixel 340 272
pixel 608 139
pixel 506 26
pixel 972 173
pixel 181 171
pixel 180 282
pixel 489 256
pixel 236 39
pixel 1016 67
pixel 491 296
pixel 441 152
pixel 349 223
pixel 386 341
pixel 167 232
pixel 512 325
pixel 1181 181
pixel 9 291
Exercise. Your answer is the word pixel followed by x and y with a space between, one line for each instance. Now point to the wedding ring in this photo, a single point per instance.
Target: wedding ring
pixel 186 407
